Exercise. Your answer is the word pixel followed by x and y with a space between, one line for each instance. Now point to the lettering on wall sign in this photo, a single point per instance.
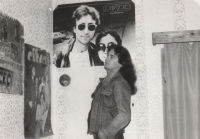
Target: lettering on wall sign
pixel 36 56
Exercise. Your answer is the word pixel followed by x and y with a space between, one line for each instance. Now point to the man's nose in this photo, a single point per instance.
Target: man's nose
pixel 107 58
pixel 86 31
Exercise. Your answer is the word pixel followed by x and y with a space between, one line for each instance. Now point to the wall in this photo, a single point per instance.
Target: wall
pixel 160 16
pixel 36 18
pixel 151 16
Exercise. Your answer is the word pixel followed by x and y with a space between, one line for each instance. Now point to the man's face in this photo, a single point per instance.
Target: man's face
pixel 85 29
pixel 33 71
pixel 111 62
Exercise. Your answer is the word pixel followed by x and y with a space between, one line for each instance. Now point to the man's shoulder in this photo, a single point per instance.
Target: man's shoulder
pixel 63 46
pixel 66 42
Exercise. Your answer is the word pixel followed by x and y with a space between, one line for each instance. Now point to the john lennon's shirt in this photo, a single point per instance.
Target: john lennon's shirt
pixel 79 59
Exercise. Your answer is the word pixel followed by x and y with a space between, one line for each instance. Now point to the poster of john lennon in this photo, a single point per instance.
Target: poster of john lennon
pixel 82 32
pixel 37 118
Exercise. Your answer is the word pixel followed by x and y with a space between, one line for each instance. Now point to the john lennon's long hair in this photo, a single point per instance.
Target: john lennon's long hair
pixel 127 70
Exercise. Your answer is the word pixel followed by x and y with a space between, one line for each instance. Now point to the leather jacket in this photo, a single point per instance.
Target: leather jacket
pixel 59 57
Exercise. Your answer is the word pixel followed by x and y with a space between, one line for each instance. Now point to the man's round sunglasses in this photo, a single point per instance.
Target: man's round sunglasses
pixel 103 47
pixel 91 27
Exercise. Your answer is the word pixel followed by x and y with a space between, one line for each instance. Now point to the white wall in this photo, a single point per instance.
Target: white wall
pixel 36 18
pixel 158 16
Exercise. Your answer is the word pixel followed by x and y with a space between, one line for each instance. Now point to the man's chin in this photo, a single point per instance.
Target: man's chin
pixel 105 66
pixel 85 42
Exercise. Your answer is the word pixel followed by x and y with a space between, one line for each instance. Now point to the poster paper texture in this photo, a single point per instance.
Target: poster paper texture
pixel 78 36
pixel 37 103
pixel 84 65
pixel 11 56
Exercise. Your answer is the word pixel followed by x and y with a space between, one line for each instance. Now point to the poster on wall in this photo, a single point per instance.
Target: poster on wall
pixel 82 32
pixel 11 56
pixel 37 97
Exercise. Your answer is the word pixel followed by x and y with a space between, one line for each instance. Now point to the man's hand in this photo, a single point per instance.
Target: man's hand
pixel 30 104
pixel 100 135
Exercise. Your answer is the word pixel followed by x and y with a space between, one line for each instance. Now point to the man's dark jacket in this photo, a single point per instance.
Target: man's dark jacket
pixel 93 55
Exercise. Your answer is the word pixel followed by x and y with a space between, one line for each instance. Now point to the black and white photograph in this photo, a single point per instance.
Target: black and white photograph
pixel 83 32
pixel 15 54
pixel 37 105
pixel 6 78
pixel 99 69
pixel 19 34
pixel 3 29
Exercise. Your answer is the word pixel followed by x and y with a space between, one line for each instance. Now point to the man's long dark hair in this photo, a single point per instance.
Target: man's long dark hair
pixel 127 70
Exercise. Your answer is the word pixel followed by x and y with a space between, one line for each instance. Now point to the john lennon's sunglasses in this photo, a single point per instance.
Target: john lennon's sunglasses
pixel 103 47
pixel 91 27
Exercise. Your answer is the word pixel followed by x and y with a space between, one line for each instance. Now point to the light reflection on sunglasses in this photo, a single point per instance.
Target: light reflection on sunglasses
pixel 103 47
pixel 91 27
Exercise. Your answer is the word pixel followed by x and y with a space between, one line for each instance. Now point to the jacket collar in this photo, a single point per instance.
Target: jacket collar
pixel 117 75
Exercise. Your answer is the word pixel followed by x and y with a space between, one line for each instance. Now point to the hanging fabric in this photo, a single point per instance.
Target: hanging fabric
pixel 181 85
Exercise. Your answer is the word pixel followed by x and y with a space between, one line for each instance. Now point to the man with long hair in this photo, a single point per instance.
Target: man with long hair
pixel 111 106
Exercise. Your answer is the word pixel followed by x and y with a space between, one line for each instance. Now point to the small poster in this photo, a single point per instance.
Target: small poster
pixel 37 118
pixel 11 56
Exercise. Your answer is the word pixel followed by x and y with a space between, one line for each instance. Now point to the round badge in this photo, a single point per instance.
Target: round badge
pixel 64 80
